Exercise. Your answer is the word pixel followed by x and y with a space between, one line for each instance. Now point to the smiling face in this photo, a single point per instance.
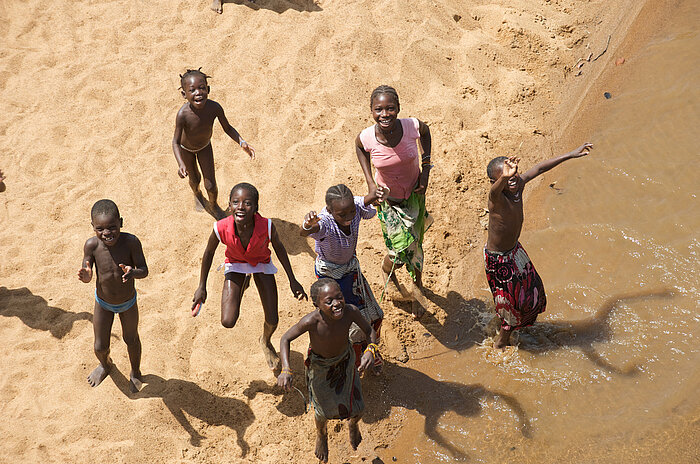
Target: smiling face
pixel 107 228
pixel 330 301
pixel 343 211
pixel 196 91
pixel 243 206
pixel 385 110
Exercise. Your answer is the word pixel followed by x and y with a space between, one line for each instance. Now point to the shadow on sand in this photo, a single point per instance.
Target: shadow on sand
pixel 36 313
pixel 401 386
pixel 181 396
pixel 288 233
pixel 551 335
pixel 278 6
pixel 295 402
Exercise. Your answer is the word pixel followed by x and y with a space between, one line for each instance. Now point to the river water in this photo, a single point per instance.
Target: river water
pixel 611 372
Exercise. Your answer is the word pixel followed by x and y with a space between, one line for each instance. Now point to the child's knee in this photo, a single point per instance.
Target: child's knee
pixel 229 321
pixel 132 339
pixel 210 185
pixel 101 348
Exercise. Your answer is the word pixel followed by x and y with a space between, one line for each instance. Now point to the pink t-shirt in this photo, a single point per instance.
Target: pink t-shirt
pixel 399 167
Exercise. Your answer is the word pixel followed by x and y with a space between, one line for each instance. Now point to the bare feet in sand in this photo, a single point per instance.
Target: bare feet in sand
pixel 99 373
pixel 355 435
pixel 502 339
pixel 417 310
pixel 216 6
pixel 270 354
pixel 135 382
pixel 321 447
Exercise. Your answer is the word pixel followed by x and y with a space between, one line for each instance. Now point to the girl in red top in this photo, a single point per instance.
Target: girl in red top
pixel 247 236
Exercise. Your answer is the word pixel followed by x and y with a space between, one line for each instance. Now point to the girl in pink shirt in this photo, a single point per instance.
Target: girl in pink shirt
pixel 391 146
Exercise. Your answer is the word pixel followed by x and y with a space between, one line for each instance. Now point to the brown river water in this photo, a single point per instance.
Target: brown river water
pixel 611 371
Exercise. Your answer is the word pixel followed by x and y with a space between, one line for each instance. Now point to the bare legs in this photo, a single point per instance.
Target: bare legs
pixel 102 325
pixel 321 451
pixel 234 286
pixel 205 157
pixel 416 293
pixel 502 338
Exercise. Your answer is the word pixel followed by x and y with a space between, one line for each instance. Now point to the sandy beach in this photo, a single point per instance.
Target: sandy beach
pixel 91 94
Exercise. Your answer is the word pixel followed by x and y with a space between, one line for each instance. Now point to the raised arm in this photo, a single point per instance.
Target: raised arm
pixel 281 253
pixel 426 143
pixel 310 225
pixel 363 158
pixel 545 166
pixel 200 295
pixel 233 133
pixel 177 137
pixel 509 169
pixel 285 378
pixel 139 270
pixel 85 271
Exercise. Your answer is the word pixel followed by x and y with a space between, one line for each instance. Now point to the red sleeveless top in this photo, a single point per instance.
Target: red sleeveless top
pixel 258 250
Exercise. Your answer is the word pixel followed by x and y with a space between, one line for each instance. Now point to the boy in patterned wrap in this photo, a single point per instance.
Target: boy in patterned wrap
pixel 517 289
pixel 331 376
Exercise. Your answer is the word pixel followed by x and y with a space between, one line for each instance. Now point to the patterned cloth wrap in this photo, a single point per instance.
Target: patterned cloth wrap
pixel 517 289
pixel 403 226
pixel 334 385
pixel 356 291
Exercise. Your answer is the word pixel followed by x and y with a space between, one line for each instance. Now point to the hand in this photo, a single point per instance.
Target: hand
pixel 510 167
pixel 583 150
pixel 310 220
pixel 85 272
pixel 298 290
pixel 366 361
pixel 200 296
pixel 285 381
pixel 248 149
pixel 423 181
pixel 382 192
pixel 182 171
pixel 128 272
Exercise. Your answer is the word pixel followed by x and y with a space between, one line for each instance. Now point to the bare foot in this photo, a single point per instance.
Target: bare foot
pixel 99 373
pixel 270 353
pixel 321 447
pixel 355 435
pixel 417 310
pixel 219 213
pixel 216 6
pixel 502 339
pixel 135 382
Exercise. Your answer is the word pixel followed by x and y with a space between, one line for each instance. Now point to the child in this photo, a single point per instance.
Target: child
pixel 118 259
pixel 517 289
pixel 335 231
pixel 331 376
pixel 391 145
pixel 247 236
pixel 192 140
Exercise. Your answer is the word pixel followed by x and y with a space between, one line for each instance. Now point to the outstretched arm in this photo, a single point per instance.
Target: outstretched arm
pixel 285 378
pixel 200 295
pixel 281 253
pixel 233 133
pixel 545 166
pixel 426 143
pixel 363 158
pixel 177 137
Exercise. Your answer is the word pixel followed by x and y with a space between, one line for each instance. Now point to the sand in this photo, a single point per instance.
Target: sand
pixel 90 94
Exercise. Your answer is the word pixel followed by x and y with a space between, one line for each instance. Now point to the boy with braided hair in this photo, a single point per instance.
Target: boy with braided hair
pixel 331 376
pixel 192 140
